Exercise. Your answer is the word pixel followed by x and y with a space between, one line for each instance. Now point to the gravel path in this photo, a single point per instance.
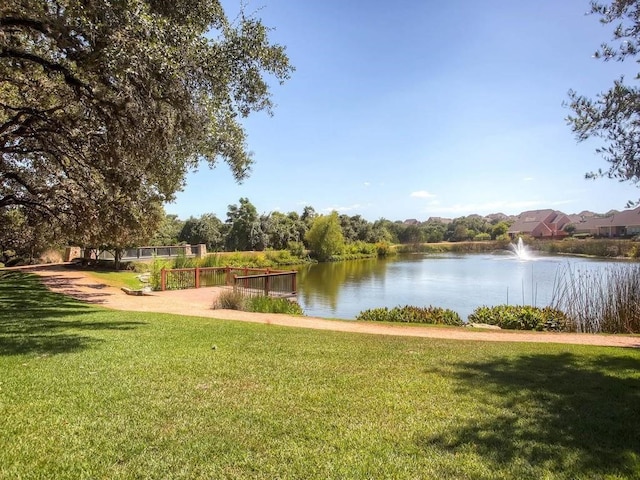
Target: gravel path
pixel 198 303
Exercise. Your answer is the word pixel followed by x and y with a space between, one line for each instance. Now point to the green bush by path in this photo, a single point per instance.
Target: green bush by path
pixel 264 304
pixel 522 317
pixel 410 314
pixel 87 392
pixel 235 300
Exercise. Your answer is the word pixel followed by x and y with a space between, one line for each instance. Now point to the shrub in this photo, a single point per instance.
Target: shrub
pixel 282 257
pixel 522 317
pixel 230 300
pixel 385 249
pixel 411 314
pixel 137 267
pixel 182 261
pixel 296 249
pixel 156 266
pixel 264 304
pixel 212 260
pixel 1 265
pixel 481 237
pixel 235 300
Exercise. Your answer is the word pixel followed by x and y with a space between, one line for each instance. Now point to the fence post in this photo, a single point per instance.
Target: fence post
pixel 197 273
pixel 163 279
pixel 294 286
pixel 266 285
pixel 227 275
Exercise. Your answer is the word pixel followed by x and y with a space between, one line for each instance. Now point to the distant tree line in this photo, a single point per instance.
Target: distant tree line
pixel 246 229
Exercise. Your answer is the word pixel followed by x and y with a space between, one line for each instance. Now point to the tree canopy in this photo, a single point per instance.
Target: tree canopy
pixel 614 115
pixel 104 106
pixel 325 236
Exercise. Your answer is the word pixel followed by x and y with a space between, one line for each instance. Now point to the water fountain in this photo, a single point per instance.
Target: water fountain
pixel 520 250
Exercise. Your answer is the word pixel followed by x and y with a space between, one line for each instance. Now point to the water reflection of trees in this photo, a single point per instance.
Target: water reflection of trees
pixel 324 280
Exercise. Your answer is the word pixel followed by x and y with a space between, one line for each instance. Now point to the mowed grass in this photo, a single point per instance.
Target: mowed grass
pixel 93 393
pixel 117 279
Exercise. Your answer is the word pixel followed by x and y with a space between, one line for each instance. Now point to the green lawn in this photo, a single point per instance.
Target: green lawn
pixel 92 393
pixel 117 279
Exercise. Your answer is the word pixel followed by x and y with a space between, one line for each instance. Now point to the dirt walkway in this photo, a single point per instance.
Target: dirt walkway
pixel 198 302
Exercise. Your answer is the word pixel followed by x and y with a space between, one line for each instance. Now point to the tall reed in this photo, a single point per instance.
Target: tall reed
pixel 606 300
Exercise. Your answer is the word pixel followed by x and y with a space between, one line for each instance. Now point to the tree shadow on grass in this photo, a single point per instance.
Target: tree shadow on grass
pixel 36 320
pixel 575 416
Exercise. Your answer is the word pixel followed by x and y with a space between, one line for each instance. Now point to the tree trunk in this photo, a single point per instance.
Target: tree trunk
pixel 117 256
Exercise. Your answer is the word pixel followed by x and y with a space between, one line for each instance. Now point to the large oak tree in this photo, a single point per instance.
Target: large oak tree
pixel 614 115
pixel 105 105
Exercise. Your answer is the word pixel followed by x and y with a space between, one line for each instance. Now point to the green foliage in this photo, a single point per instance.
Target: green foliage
pixel 207 229
pixel 481 237
pixel 411 314
pixel 466 228
pixel 595 247
pixel 325 237
pixel 612 115
pixel 211 260
pixel 182 261
pixel 385 249
pixel 634 251
pixel 499 229
pixel 235 300
pixel 156 267
pixel 361 249
pixel 244 229
pixel 454 247
pixel 168 231
pixel 105 106
pixel 282 257
pixel 570 229
pixel 522 317
pixel 296 249
pixel 279 230
pixel 265 304
pixel 23 234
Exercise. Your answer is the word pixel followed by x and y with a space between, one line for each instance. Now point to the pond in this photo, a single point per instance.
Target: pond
pixel 458 282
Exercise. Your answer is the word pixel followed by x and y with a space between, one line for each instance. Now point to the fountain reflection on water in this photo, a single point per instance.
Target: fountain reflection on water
pixel 520 250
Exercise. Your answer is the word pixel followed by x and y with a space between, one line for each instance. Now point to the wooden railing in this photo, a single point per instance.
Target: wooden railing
pixel 251 281
pixel 269 284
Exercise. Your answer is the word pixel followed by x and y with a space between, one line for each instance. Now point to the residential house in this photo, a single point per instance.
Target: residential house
pixel 540 224
pixel 616 224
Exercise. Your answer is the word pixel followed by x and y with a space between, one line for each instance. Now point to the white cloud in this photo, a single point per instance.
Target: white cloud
pixel 422 194
pixel 528 179
pixel 366 184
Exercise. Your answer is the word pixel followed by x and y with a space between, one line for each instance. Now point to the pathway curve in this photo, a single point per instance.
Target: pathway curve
pixel 198 303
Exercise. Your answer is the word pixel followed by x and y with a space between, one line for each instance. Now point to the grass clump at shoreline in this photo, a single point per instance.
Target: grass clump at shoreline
pixel 91 393
pixel 606 301
pixel 235 300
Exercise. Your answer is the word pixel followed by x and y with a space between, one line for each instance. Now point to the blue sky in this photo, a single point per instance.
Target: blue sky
pixel 422 108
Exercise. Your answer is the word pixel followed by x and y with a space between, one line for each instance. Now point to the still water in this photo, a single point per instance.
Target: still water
pixel 458 282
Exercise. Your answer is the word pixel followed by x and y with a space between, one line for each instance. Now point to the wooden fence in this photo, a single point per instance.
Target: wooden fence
pixel 250 281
